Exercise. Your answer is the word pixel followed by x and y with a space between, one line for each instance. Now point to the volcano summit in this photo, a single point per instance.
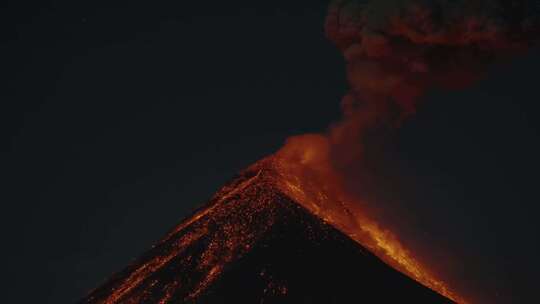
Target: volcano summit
pixel 253 243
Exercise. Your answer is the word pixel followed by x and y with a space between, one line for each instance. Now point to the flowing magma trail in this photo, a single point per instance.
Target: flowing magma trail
pixel 313 238
pixel 315 188
pixel 395 51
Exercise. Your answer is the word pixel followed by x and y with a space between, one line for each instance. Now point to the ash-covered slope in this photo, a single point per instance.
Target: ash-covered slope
pixel 253 244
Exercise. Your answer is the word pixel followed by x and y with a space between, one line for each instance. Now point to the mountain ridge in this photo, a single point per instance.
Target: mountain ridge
pixel 252 243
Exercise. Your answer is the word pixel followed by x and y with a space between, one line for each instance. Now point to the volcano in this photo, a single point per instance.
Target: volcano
pixel 253 243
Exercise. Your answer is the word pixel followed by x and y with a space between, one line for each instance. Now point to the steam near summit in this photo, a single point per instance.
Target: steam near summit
pixel 308 196
pixel 395 52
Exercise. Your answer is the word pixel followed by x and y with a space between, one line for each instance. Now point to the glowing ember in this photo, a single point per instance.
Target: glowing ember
pixel 262 207
pixel 308 178
pixel 395 51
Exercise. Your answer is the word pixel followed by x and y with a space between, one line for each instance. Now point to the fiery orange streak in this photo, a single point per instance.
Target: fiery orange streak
pixel 153 265
pixel 307 179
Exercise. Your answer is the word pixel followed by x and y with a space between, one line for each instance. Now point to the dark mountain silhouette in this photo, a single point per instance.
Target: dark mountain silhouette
pixel 253 244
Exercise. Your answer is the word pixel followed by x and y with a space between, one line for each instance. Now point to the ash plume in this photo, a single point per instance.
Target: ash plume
pixel 395 52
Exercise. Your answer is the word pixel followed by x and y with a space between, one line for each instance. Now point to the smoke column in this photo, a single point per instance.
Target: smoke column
pixel 396 51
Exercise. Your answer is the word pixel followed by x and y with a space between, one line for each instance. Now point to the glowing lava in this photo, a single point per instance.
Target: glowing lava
pixel 307 177
pixel 395 51
pixel 264 216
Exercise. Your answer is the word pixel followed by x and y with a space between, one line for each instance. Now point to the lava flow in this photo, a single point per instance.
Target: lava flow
pixel 395 51
pixel 256 243
pixel 307 178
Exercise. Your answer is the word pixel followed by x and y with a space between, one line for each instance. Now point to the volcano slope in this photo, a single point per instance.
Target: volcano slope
pixel 253 244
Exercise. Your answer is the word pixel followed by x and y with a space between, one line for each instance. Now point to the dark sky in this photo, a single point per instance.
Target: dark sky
pixel 120 120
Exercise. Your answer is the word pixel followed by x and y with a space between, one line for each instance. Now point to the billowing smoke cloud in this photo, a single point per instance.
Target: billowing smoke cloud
pixel 395 52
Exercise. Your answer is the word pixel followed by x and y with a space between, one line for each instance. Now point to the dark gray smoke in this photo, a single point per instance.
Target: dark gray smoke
pixel 397 50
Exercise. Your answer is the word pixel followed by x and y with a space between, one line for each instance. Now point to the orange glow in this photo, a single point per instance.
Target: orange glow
pixel 308 177
pixel 144 270
pixel 244 211
pixel 232 212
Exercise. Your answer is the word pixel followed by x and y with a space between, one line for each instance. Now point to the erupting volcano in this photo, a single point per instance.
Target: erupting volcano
pixel 255 243
pixel 295 226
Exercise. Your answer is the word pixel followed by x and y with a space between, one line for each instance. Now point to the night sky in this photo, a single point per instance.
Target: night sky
pixel 120 120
